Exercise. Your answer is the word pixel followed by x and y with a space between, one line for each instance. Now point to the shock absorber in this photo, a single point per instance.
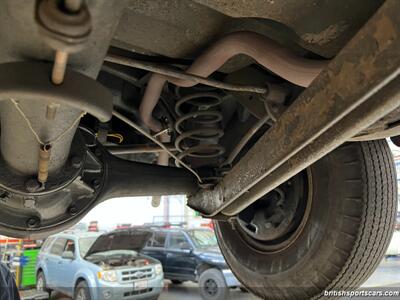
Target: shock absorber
pixel 198 126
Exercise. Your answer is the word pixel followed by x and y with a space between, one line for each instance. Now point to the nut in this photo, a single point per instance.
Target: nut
pixel 29 203
pixel 32 185
pixel 33 222
pixel 76 162
pixel 62 30
pixel 96 183
pixel 72 210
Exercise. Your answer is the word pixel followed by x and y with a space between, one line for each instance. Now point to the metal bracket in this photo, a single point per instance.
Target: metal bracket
pixel 359 87
pixel 31 80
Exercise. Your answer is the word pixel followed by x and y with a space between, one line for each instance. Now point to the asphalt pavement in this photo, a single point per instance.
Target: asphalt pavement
pixel 387 275
pixel 184 291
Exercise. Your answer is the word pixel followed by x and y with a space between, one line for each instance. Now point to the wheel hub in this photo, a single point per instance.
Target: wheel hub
pixel 46 118
pixel 271 223
pixel 211 287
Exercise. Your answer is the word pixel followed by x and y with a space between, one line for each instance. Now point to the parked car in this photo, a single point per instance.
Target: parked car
pixel 397 222
pixel 192 255
pixel 99 266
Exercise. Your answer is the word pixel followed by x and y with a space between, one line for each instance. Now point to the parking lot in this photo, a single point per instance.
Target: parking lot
pixel 387 275
pixel 186 291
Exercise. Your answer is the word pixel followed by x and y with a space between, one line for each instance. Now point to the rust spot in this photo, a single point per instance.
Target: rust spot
pixel 385 32
pixel 326 35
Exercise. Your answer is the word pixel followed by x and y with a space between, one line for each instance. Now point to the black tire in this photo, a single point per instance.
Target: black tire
pixel 213 286
pixel 41 284
pixel 174 281
pixel 82 290
pixel 349 227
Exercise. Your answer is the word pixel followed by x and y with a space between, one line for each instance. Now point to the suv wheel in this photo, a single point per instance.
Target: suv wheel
pixel 213 286
pixel 327 228
pixel 82 291
pixel 41 284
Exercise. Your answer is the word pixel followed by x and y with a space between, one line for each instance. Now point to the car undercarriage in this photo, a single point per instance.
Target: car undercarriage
pixel 271 116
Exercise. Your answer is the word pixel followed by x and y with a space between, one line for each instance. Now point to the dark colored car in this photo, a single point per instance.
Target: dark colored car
pixel 270 114
pixel 192 255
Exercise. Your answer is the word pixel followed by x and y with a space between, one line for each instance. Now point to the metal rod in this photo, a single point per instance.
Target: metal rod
pixel 44 159
pixel 368 63
pixel 138 149
pixel 59 67
pixel 51 110
pixel 179 74
pixel 266 52
pixel 124 76
pixel 73 5
pixel 150 137
pixel 385 100
pixel 245 139
pixel 61 56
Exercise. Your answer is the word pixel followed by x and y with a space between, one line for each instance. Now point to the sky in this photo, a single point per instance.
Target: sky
pixel 138 210
pixel 133 210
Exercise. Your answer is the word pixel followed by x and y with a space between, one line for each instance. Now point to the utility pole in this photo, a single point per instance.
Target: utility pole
pixel 166 209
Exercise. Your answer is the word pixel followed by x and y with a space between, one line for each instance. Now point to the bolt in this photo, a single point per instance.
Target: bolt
pixel 51 111
pixel 73 6
pixel 96 183
pixel 61 56
pixel 33 222
pixel 268 225
pixel 76 162
pixel 72 210
pixel 32 185
pixel 29 202
pixel 59 67
pixel 44 161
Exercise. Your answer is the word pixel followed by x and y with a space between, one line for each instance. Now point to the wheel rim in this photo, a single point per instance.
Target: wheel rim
pixel 81 295
pixel 210 287
pixel 40 284
pixel 276 220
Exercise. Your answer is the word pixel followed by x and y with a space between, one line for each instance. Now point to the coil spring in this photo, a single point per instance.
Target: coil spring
pixel 202 140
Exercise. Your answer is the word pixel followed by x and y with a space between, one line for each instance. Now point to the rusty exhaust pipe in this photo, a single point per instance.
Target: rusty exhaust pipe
pixel 266 52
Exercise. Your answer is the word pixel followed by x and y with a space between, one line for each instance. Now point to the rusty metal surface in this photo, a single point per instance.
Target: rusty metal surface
pixel 183 28
pixel 64 31
pixel 183 77
pixel 21 39
pixel 369 62
pixel 386 99
pixel 323 27
pixel 387 126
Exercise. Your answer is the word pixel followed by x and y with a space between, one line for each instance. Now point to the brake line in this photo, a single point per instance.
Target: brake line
pixel 154 140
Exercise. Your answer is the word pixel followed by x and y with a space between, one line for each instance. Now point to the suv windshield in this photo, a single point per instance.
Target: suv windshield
pixel 85 244
pixel 203 238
